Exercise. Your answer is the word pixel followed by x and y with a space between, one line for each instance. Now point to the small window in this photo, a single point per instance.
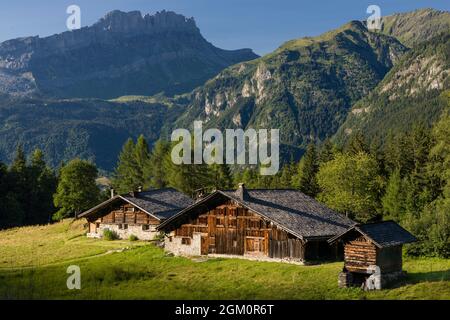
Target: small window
pixel 97 225
pixel 120 226
pixel 145 227
pixel 170 239
pixel 186 241
pixel 125 226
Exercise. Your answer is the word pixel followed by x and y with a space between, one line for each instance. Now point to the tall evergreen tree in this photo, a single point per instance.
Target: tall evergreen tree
pixel 357 144
pixel 221 177
pixel 142 156
pixel 21 186
pixel 44 182
pixel 308 180
pixel 393 199
pixel 327 151
pixel 187 177
pixel 128 174
pixel 155 167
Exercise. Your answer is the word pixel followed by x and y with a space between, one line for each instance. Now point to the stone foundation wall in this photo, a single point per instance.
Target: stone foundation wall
pixel 374 281
pixel 126 233
pixel 174 245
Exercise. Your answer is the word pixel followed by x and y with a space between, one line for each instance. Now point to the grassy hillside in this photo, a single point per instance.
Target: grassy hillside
pixel 415 27
pixel 144 271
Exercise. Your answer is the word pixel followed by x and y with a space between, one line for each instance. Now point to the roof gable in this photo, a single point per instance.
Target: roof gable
pixel 159 203
pixel 382 234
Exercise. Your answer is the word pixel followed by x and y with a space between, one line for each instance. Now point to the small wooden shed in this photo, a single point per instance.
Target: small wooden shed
pixel 372 250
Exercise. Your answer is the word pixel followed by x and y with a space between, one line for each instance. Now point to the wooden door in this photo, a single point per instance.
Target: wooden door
pixel 255 245
pixel 204 245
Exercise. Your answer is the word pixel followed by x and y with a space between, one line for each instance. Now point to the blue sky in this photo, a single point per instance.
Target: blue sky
pixel 262 25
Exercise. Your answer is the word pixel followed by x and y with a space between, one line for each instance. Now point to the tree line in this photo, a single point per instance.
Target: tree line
pixel 405 179
pixel 33 193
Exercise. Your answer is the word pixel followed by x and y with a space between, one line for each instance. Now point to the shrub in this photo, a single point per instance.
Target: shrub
pixel 159 237
pixel 133 238
pixel 110 235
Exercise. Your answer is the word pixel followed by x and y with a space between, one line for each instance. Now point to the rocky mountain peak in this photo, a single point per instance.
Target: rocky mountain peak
pixel 134 21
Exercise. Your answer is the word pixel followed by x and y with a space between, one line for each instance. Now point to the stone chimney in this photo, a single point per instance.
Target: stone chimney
pixel 112 193
pixel 242 192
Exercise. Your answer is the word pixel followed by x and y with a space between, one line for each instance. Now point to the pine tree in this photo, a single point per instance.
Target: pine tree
pixel 11 211
pixel 286 175
pixel 187 178
pixel 20 188
pixel 357 144
pixel 44 182
pixel 327 151
pixel 308 181
pixel 221 176
pixel 250 178
pixel 128 175
pixel 20 161
pixel 155 167
pixel 393 198
pixel 142 158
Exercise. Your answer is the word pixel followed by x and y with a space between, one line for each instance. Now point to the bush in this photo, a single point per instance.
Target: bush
pixel 159 237
pixel 110 235
pixel 133 238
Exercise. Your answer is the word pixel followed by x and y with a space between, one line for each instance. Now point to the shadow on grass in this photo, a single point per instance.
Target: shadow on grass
pixel 418 277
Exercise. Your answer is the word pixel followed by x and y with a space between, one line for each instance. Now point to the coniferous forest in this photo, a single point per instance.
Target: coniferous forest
pixel 365 119
pixel 407 179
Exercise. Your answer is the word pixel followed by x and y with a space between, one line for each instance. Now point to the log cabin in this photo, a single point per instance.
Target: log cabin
pixel 273 225
pixel 372 254
pixel 136 213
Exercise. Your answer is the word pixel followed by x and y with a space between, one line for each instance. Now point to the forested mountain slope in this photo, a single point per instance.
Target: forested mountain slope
pixel 88 128
pixel 410 93
pixel 305 88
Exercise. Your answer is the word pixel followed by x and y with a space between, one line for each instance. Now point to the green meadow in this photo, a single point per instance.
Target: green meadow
pixel 34 261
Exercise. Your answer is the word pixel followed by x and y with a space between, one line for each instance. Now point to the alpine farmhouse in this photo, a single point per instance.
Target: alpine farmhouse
pixel 274 225
pixel 137 213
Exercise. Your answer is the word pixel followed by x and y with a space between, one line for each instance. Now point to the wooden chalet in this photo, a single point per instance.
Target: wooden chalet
pixel 262 224
pixel 137 213
pixel 373 249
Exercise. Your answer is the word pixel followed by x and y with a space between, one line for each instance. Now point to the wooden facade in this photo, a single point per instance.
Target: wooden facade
pixel 124 219
pixel 124 214
pixel 360 252
pixel 231 229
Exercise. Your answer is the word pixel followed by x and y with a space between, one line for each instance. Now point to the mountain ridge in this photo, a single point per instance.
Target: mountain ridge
pixel 305 87
pixel 121 54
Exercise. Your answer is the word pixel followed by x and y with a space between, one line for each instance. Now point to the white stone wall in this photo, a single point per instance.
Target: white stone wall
pixel 176 247
pixel 126 233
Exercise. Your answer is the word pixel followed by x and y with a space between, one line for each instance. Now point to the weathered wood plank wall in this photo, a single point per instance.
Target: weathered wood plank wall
pixel 231 229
